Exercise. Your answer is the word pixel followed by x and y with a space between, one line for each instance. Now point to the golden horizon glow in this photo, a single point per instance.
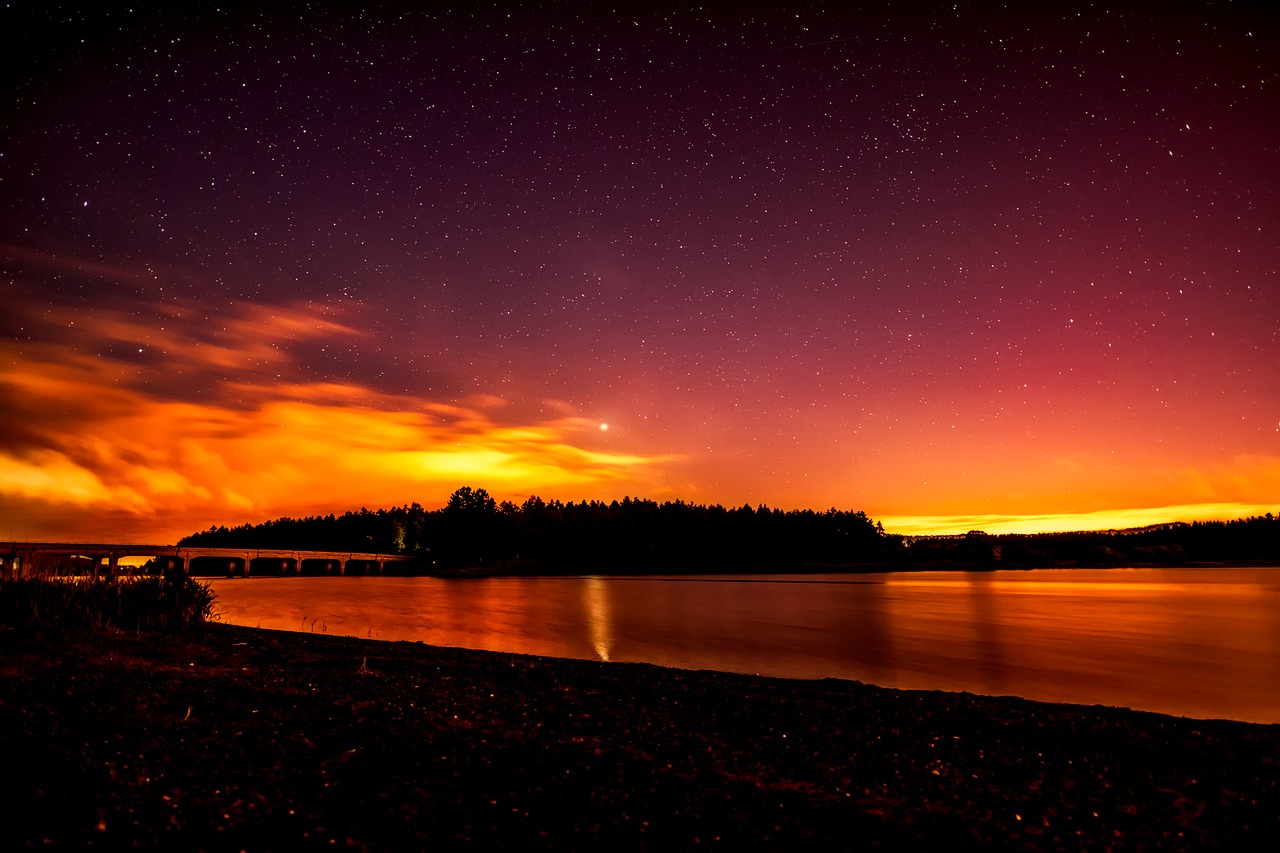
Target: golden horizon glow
pixel 98 452
pixel 1112 519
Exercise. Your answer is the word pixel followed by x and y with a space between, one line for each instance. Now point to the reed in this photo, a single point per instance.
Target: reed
pixel 48 602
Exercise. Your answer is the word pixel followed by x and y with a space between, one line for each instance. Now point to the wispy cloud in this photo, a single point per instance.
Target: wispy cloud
pixel 97 435
pixel 150 415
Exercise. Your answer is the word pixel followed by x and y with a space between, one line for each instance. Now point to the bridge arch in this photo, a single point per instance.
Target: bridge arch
pixel 326 566
pixel 217 566
pixel 273 566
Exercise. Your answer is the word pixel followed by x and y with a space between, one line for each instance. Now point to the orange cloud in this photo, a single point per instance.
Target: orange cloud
pixel 205 463
pixel 162 418
pixel 94 438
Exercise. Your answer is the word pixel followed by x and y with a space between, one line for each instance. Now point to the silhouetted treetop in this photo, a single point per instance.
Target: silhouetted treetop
pixel 472 529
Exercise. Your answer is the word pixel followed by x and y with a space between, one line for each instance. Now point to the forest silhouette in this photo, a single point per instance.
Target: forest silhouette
pixel 474 531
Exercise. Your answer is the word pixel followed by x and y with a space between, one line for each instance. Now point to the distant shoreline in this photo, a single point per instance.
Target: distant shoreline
pixel 842 568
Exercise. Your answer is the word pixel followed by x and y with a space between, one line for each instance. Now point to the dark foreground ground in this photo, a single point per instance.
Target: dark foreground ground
pixel 247 739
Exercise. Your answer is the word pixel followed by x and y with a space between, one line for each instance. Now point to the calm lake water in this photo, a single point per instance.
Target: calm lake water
pixel 1191 642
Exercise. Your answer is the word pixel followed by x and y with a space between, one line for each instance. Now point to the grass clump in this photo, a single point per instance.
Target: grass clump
pixel 48 602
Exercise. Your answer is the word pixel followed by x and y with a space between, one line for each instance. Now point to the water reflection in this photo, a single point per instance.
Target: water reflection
pixel 989 659
pixel 1202 643
pixel 862 631
pixel 596 596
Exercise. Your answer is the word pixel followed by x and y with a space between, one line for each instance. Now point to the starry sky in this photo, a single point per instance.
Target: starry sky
pixel 956 265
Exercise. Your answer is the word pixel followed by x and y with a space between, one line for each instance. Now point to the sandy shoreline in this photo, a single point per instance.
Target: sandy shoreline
pixel 237 737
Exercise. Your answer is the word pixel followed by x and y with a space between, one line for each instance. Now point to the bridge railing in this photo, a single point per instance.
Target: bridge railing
pixel 23 557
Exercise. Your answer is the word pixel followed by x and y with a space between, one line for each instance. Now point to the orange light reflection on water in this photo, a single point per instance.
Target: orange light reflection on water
pixel 1200 643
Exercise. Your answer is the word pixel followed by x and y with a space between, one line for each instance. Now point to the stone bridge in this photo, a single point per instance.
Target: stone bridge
pixel 21 557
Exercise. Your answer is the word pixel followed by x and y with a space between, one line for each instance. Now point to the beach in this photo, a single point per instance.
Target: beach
pixel 237 738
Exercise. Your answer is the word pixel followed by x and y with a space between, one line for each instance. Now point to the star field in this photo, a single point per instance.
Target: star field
pixel 954 265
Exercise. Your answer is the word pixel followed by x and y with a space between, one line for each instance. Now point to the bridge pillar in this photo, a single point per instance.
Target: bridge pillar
pixel 113 565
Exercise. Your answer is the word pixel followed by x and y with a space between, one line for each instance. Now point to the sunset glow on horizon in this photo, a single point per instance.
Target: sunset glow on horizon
pixel 1004 271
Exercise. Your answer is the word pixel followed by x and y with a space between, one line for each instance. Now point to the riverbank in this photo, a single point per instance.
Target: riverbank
pixel 232 738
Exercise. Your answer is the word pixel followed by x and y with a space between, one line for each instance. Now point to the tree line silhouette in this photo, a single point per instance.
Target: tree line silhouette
pixel 1256 538
pixel 472 529
pixel 635 534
